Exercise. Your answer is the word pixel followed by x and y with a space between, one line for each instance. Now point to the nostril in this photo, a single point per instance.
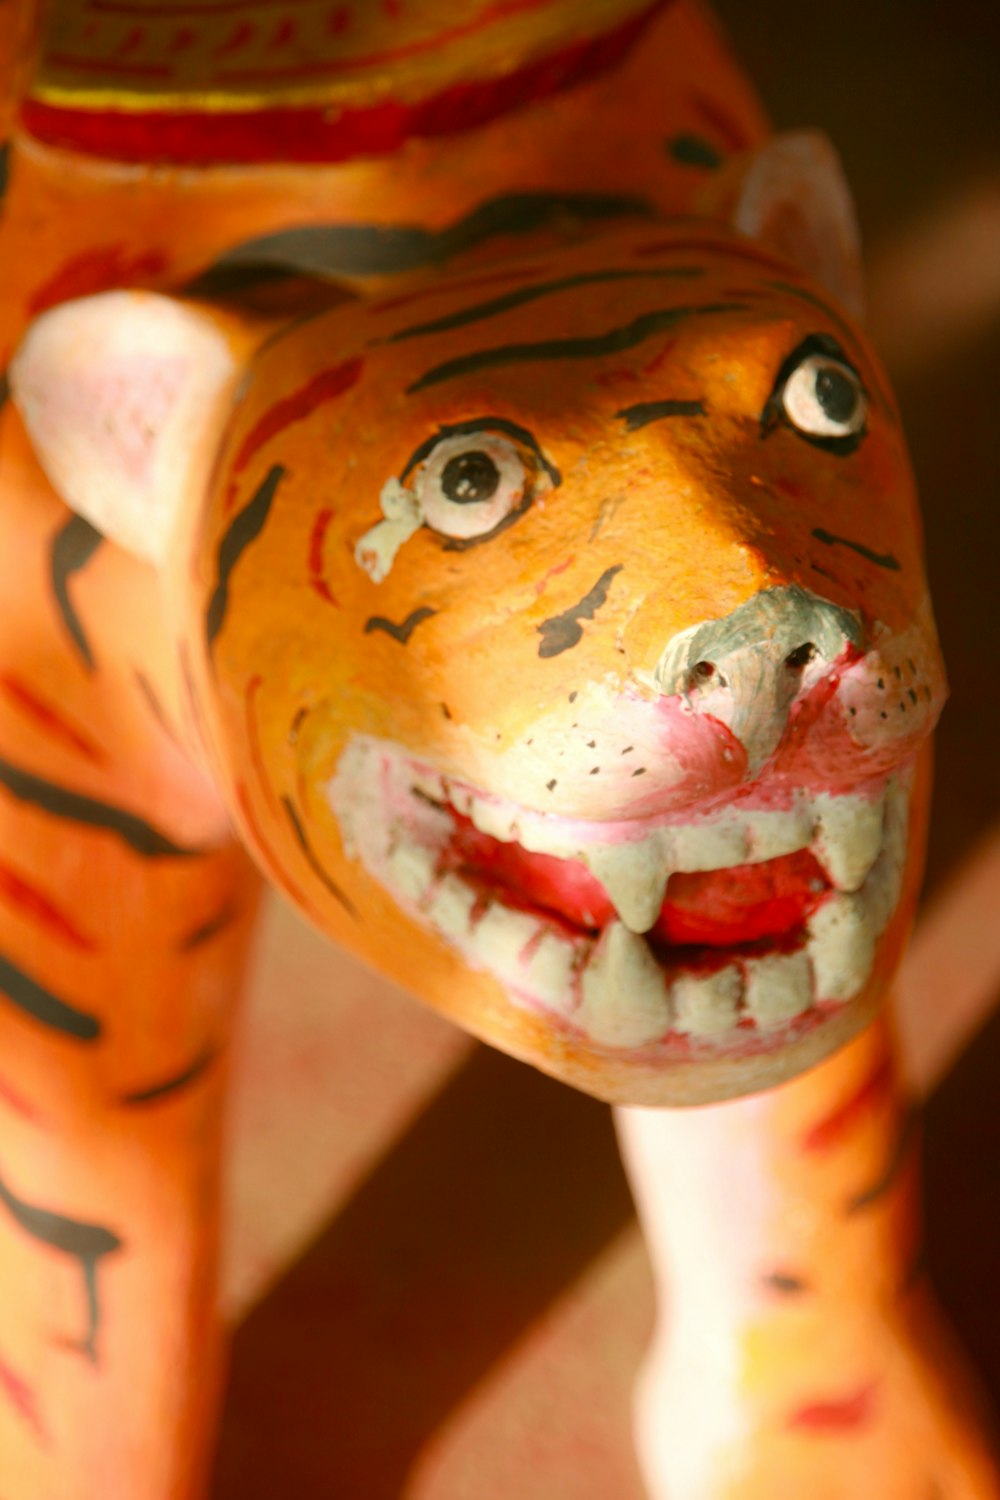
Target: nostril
pixel 703 673
pixel 800 658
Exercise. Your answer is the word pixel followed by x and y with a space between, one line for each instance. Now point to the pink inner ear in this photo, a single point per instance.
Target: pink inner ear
pixel 796 202
pixel 123 395
pixel 787 229
pixel 128 403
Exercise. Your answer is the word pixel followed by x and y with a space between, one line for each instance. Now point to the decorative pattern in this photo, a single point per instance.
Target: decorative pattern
pixel 220 80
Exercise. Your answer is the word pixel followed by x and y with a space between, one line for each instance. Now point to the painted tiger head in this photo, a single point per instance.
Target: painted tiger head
pixel 562 638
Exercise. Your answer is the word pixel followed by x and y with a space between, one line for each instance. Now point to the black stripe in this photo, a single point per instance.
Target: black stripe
pixel 36 1001
pixel 403 631
pixel 645 412
pixel 694 151
pixel 157 1091
pixel 4 168
pixel 154 705
pixel 4 389
pixel 804 295
pixel 390 249
pixel 880 559
pixel 562 632
pixel 613 342
pixel 313 862
pixel 236 280
pixel 72 549
pixel 887 1178
pixel 76 808
pixel 200 935
pixel 786 1283
pixel 521 295
pixel 244 529
pixel 87 1243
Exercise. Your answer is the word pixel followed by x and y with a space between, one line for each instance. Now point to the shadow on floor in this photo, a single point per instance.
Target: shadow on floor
pixel 495 1201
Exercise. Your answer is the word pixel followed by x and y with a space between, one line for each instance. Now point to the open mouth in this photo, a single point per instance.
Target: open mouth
pixel 739 927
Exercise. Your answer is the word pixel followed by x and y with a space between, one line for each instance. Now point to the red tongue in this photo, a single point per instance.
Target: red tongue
pixel 719 908
pixel 724 907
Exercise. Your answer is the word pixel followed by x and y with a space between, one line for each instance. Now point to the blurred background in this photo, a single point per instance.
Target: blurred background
pixel 440 1288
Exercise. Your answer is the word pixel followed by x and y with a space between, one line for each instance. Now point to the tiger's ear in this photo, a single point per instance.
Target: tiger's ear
pixel 124 396
pixel 791 195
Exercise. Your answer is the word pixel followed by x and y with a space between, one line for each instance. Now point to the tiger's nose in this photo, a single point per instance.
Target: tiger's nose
pixel 748 668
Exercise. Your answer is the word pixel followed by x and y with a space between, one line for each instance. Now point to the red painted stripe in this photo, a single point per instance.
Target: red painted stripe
pixel 729 131
pixel 845 1415
pixel 47 718
pixel 133 41
pixel 686 238
pixel 17 1102
pixel 37 907
pixel 94 271
pixel 23 1399
pixel 501 11
pixel 284 33
pixel 872 1092
pixel 236 39
pixel 316 541
pixel 323 133
pixel 295 408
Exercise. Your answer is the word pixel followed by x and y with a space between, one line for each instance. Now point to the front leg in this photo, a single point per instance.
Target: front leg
pixel 118 977
pixel 797 1350
pixel 125 910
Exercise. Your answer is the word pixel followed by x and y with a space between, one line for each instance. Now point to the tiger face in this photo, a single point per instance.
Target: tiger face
pixel 565 650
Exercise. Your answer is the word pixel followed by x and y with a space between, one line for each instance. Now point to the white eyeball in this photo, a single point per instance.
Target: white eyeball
pixel 824 398
pixel 470 483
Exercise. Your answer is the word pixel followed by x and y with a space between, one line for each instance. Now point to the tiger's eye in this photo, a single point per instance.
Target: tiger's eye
pixel 836 393
pixel 470 478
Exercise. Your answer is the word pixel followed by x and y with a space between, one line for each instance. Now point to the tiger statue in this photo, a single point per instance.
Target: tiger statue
pixel 444 474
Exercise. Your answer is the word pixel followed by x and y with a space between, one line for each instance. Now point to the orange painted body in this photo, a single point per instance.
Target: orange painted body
pixel 147 714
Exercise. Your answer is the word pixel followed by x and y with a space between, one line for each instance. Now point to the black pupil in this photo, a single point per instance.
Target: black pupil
pixel 470 478
pixel 836 393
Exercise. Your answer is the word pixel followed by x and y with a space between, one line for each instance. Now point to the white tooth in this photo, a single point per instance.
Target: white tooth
pixel 347 792
pixel 635 876
pixel 430 784
pixel 450 905
pixel 539 837
pixel 773 834
pixel 841 946
pixel 498 941
pixel 624 995
pixel 883 886
pixel 897 817
pixel 777 987
pixel 411 869
pixel 549 975
pixel 706 1004
pixel 882 889
pixel 708 846
pixel 848 838
pixel 461 800
pixel 492 819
